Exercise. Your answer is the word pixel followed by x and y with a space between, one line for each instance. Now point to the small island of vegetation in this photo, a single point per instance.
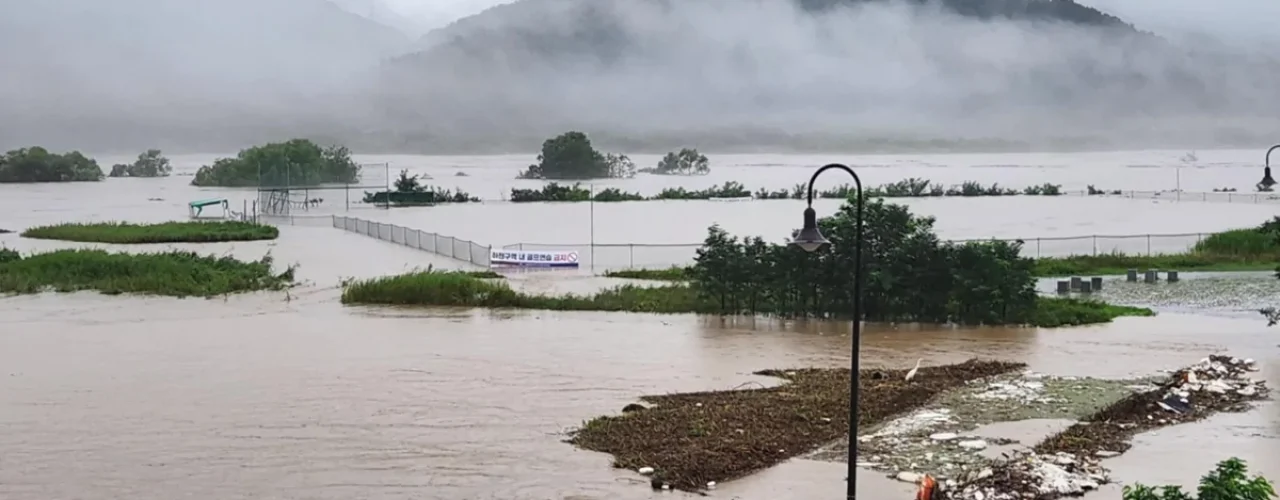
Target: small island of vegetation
pixel 149 164
pixel 37 164
pixel 911 277
pixel 907 188
pixel 175 274
pixel 410 192
pixel 164 232
pixel 298 162
pixel 571 156
pixel 685 162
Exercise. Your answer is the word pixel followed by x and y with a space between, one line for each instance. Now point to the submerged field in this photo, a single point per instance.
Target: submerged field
pixel 176 274
pixel 164 232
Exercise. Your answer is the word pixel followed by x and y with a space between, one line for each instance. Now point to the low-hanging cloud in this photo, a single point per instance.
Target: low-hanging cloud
pixel 879 69
pixel 652 73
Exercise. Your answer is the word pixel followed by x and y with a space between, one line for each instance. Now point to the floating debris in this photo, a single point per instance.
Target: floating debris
pixel 1067 464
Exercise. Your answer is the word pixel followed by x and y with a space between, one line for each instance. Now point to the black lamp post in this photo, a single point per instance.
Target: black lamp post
pixel 1267 181
pixel 811 240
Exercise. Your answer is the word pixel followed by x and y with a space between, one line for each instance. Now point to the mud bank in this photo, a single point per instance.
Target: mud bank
pixel 690 441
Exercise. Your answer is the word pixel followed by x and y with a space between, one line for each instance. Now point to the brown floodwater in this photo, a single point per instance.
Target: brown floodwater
pixel 293 396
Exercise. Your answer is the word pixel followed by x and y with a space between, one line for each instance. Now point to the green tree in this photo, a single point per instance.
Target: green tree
pixel 37 164
pixel 686 162
pixel 909 274
pixel 1228 481
pixel 149 164
pixel 571 156
pixel 298 162
pixel 407 183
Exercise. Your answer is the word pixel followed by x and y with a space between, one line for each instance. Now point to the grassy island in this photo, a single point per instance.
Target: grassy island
pixel 165 232
pixel 176 274
pixel 458 289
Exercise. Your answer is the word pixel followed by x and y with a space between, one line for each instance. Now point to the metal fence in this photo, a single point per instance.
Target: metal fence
pixel 643 255
pixel 1210 197
pixel 448 246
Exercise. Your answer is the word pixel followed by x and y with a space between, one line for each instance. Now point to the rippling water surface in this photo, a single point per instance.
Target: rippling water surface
pixel 297 397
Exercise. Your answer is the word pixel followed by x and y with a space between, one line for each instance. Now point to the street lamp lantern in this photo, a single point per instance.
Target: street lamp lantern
pixel 811 240
pixel 1267 180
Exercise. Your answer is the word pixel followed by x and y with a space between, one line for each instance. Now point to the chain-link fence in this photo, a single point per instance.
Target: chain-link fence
pixel 648 256
pixel 448 246
pixel 1211 197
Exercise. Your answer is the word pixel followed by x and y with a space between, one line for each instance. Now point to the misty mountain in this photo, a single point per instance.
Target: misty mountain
pixel 924 68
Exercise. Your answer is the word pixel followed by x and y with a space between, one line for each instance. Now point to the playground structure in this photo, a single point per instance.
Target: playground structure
pixel 280 197
pixel 195 210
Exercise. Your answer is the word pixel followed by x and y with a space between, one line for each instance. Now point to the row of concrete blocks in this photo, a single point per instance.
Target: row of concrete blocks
pixel 1150 276
pixel 1078 284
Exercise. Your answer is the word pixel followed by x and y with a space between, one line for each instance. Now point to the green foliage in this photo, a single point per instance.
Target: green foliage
pixel 409 192
pixel 37 164
pixel 165 232
pixel 1228 481
pixel 571 156
pixel 8 255
pixel 178 274
pixel 298 162
pixel 910 274
pixel 1060 311
pixel 727 190
pixel 686 162
pixel 551 192
pixel 1254 249
pixel 674 273
pixel 149 164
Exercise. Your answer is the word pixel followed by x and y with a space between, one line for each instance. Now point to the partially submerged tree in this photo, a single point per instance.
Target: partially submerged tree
pixel 37 164
pixel 686 162
pixel 298 162
pixel 149 164
pixel 571 156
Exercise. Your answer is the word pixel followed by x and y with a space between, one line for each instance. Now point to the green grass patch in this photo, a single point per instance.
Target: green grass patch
pixel 176 274
pixel 165 232
pixel 457 289
pixel 1053 312
pixel 673 273
pixel 1116 264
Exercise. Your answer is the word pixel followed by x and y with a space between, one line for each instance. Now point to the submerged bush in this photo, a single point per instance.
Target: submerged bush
pixel 178 274
pixel 298 162
pixel 409 192
pixel 1228 481
pixel 37 164
pixel 164 232
pixel 571 156
pixel 149 164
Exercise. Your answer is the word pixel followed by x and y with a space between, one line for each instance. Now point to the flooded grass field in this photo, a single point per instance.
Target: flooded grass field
pixel 293 396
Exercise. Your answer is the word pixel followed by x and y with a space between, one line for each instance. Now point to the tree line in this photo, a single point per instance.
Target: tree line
pixel 910 274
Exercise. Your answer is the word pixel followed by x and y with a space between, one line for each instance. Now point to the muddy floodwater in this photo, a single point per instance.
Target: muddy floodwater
pixel 293 396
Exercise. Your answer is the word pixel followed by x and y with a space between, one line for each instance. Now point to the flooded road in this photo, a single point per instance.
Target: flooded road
pixel 275 396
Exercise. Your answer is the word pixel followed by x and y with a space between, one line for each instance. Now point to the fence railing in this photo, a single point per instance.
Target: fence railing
pixel 645 255
pixel 448 246
pixel 1211 197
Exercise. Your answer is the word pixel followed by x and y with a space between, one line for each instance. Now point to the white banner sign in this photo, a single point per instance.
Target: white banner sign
pixel 533 259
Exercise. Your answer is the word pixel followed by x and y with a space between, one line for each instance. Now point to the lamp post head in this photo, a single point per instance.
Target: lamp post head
pixel 1267 180
pixel 809 238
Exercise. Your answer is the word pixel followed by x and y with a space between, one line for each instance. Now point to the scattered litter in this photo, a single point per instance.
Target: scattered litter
pixel 645 471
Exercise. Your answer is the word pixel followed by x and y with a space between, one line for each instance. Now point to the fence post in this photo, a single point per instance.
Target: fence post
pixel 1095 245
pixel 631 258
pixel 1148 245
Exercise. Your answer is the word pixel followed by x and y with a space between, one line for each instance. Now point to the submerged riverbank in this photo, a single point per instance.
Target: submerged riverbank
pixel 452 289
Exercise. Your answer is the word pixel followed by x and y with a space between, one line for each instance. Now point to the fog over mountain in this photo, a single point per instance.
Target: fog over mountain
pixel 641 74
